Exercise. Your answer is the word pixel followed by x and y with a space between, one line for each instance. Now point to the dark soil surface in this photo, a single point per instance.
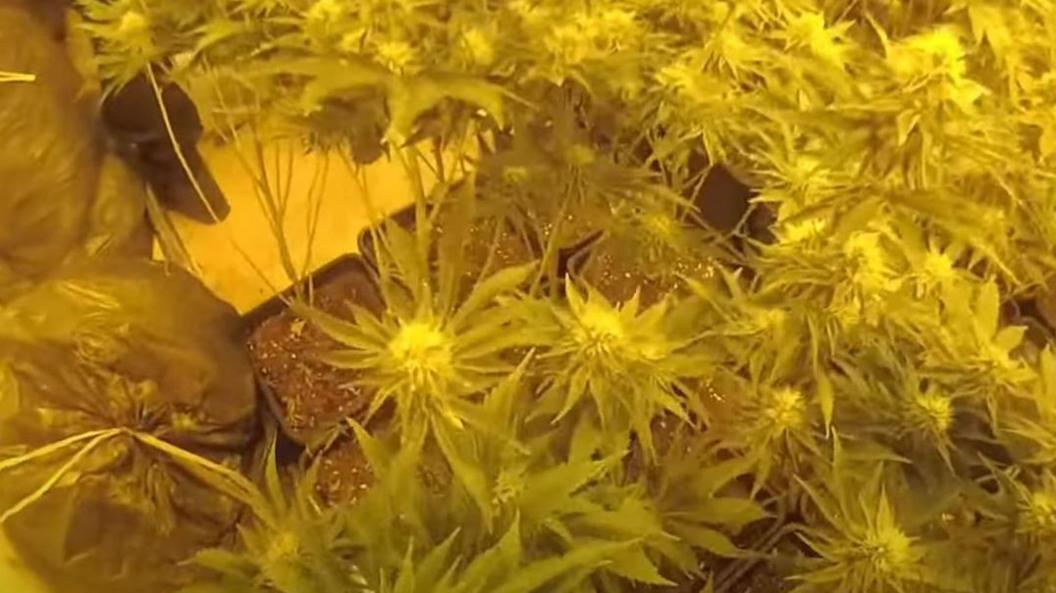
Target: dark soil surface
pixel 490 242
pixel 578 227
pixel 492 245
pixel 345 474
pixel 618 269
pixel 309 395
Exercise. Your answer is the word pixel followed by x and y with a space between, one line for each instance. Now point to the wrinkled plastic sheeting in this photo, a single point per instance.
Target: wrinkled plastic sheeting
pixel 120 343
pixel 63 194
pixel 117 222
pixel 50 150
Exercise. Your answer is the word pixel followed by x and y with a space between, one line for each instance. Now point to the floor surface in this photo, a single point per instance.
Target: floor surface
pixel 240 258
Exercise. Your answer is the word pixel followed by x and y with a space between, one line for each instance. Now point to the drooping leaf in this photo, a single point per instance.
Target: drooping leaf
pixel 332 80
pixel 410 97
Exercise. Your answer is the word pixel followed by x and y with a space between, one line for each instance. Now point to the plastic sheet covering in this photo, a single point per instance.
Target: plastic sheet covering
pixel 125 399
pixel 117 222
pixel 50 148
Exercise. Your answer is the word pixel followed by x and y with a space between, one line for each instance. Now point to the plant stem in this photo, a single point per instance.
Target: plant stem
pixel 159 98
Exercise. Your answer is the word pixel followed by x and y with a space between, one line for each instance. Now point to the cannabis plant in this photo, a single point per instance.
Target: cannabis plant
pixel 631 365
pixel 434 347
pixel 860 396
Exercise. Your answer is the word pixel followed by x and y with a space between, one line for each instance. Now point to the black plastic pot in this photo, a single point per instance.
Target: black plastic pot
pixel 348 274
pixel 722 201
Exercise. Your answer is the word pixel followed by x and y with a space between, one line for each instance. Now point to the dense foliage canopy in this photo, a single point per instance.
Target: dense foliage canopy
pixel 864 400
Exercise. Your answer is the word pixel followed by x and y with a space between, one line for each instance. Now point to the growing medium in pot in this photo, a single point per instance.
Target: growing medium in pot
pixel 311 398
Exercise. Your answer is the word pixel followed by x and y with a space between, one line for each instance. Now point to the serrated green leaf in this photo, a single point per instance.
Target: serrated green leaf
pixel 574 298
pixel 217 31
pixel 410 97
pixel 735 512
pixel 634 517
pixel 710 480
pixel 341 331
pixel 466 467
pixel 276 493
pixel 1009 338
pixel 857 218
pixel 432 568
pixel 402 259
pixel 406 581
pixel 987 310
pixel 558 528
pixel 573 391
pixel 484 293
pixel 490 567
pixel 225 562
pixel 707 539
pixel 550 489
pixel 831 509
pixel 635 565
pixel 336 79
pixel 574 583
pixel 586 554
pixel 370 326
pixel 376 453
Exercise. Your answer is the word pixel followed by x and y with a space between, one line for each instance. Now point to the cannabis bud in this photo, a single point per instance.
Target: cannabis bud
pixel 422 350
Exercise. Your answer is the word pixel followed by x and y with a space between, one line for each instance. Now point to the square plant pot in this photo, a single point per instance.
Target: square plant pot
pixel 309 398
